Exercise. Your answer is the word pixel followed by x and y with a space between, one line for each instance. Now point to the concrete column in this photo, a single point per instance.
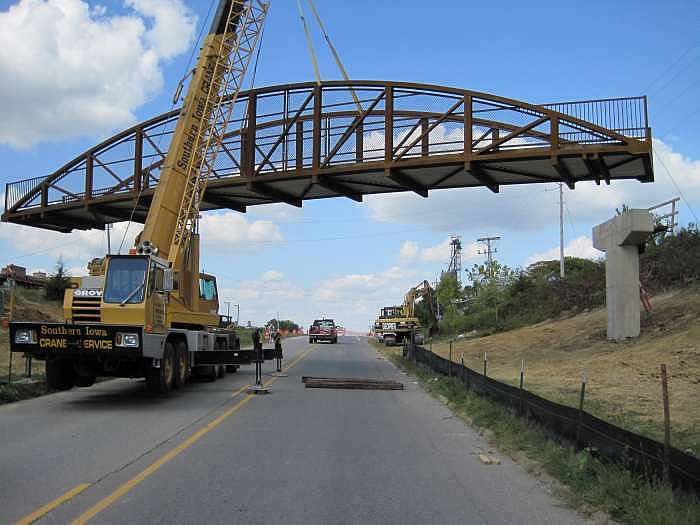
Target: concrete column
pixel 620 239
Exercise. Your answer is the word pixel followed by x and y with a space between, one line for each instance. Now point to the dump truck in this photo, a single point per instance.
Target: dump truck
pixel 151 313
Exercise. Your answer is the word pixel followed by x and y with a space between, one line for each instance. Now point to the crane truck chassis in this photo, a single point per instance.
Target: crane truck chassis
pixel 76 355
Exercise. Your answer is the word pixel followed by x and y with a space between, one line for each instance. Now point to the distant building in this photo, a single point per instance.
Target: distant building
pixel 18 275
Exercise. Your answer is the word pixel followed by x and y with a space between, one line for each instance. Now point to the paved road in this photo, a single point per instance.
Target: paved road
pixel 212 454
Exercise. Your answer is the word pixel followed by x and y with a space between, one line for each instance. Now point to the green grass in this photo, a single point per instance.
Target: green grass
pixel 16 391
pixel 625 497
pixel 615 414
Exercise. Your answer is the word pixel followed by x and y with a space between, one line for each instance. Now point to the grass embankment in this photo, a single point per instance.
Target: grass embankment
pixel 623 377
pixel 588 484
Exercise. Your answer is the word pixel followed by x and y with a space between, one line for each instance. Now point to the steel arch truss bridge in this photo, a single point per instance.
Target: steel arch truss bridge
pixel 307 141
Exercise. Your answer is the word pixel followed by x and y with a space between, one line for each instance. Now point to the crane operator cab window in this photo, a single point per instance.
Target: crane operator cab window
pixel 207 289
pixel 125 282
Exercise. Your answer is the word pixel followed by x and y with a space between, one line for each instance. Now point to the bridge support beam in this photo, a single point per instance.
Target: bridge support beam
pixel 563 172
pixel 406 181
pixel 224 202
pixel 475 171
pixel 337 187
pixel 274 194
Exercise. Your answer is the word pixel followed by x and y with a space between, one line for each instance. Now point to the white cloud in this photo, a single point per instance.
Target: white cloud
pixel 528 208
pixel 230 232
pixel 580 247
pixel 171 31
pixel 408 251
pixel 392 282
pixel 278 212
pixel 70 70
pixel 75 248
pixel 225 233
pixel 260 299
pixel 272 276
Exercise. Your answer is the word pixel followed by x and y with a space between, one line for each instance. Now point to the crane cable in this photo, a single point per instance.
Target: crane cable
pixel 309 44
pixel 343 72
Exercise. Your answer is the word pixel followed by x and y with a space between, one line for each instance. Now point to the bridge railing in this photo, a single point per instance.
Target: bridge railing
pixel 304 126
pixel 627 116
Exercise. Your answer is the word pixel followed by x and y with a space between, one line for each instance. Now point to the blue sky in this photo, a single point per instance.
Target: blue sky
pixel 337 257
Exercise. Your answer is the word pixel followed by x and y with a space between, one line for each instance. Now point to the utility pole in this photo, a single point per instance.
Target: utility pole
pixel 561 230
pixel 109 246
pixel 238 313
pixel 488 251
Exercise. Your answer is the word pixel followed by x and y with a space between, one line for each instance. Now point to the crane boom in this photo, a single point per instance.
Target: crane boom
pixel 190 161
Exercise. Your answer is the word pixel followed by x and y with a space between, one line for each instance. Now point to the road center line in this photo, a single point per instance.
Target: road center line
pixel 41 511
pixel 169 456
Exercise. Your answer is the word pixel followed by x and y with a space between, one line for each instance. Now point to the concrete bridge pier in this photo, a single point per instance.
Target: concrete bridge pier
pixel 620 238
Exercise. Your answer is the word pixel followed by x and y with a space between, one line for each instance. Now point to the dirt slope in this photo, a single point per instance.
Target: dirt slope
pixel 31 305
pixel 623 377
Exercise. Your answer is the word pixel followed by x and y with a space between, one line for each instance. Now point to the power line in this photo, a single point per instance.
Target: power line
pixel 680 192
pixel 665 71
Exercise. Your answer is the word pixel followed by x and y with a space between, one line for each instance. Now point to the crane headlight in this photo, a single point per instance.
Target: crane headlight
pixel 25 336
pixel 127 340
pixel 147 248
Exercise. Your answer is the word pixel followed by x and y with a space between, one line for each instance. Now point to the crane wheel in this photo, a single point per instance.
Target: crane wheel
pixel 220 371
pixel 231 369
pixel 181 365
pixel 207 373
pixel 160 380
pixel 60 374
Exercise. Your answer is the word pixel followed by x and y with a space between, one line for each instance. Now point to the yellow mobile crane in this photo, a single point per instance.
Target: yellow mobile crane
pixel 397 324
pixel 152 313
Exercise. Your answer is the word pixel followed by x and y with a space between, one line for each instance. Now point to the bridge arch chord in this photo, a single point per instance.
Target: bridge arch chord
pixel 297 142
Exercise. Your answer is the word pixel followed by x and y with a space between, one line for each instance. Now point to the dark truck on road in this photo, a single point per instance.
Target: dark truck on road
pixel 323 330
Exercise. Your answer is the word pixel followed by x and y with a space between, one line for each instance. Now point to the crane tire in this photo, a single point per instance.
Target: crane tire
pixel 182 371
pixel 160 380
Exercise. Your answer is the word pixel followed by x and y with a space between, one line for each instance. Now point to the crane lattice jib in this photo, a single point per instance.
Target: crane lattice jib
pixel 243 27
pixel 222 79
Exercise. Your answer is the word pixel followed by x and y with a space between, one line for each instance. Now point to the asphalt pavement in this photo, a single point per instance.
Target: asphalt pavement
pixel 211 454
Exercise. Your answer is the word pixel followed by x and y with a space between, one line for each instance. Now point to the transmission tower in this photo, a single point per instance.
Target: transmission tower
pixel 455 264
pixel 489 250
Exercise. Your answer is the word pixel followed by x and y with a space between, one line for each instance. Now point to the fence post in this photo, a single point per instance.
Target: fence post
pixel 667 427
pixel 461 360
pixel 484 364
pixel 580 410
pixel 449 364
pixel 522 397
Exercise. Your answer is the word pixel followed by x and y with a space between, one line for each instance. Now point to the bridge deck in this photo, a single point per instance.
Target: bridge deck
pixel 297 142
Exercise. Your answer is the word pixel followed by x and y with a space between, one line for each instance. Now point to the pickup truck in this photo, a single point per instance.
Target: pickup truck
pixel 323 330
